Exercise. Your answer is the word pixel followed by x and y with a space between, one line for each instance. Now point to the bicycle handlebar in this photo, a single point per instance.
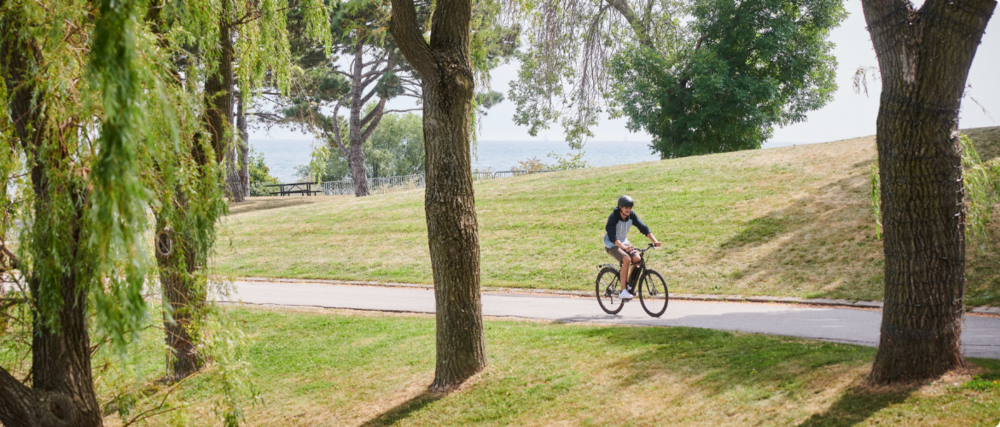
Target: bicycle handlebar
pixel 651 246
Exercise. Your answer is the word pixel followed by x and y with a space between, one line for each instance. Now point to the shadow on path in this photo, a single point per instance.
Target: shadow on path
pixel 403 410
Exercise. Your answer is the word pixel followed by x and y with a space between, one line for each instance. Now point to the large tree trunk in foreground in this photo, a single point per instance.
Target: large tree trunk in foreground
pixel 924 58
pixel 452 230
pixel 62 390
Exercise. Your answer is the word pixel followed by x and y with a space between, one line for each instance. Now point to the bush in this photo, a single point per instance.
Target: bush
pixel 530 165
pixel 571 161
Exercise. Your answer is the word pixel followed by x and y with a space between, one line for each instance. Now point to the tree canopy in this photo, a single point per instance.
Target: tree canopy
pixel 754 64
pixel 701 76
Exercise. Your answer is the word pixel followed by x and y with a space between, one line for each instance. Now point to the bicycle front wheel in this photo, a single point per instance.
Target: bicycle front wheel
pixel 607 291
pixel 653 293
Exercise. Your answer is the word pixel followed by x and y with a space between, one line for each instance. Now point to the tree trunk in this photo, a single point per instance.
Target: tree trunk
pixel 178 265
pixel 219 92
pixel 236 157
pixel 234 183
pixel 181 292
pixel 60 363
pixel 924 57
pixel 452 230
pixel 62 391
pixel 359 173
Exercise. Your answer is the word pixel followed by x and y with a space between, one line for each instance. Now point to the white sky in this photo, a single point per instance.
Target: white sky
pixel 848 115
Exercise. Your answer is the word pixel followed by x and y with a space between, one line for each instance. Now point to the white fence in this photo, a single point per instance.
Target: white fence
pixel 409 182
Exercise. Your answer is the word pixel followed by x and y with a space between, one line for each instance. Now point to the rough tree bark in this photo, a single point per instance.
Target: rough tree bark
pixel 178 264
pixel 62 390
pixel 924 56
pixel 452 231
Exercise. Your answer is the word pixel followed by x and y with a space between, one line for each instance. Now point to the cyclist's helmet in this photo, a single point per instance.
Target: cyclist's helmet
pixel 625 201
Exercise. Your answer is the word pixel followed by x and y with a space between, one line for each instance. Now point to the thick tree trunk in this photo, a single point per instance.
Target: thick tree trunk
pixel 60 363
pixel 62 391
pixel 924 58
pixel 452 229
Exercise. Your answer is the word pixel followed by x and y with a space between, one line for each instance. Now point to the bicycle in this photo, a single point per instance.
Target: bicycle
pixel 652 290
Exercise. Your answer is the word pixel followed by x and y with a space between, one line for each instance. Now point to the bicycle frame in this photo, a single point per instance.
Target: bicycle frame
pixel 633 277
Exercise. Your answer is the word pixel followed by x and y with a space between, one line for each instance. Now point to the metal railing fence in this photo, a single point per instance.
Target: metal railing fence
pixel 383 185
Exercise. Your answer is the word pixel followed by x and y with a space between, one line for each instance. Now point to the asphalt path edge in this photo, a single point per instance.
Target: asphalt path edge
pixel 822 302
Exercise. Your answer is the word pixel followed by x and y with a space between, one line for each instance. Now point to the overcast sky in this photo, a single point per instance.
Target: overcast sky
pixel 848 115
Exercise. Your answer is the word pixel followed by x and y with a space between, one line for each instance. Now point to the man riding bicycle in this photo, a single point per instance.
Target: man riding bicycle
pixel 616 241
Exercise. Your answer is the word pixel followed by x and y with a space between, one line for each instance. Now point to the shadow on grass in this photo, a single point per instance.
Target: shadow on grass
pixel 760 365
pixel 826 235
pixel 403 410
pixel 854 407
pixel 829 236
pixel 253 204
pixel 723 359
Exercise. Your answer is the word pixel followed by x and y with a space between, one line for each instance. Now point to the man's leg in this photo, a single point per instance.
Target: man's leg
pixel 636 263
pixel 626 263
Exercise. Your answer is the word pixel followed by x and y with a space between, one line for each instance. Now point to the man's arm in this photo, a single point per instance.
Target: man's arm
pixel 610 229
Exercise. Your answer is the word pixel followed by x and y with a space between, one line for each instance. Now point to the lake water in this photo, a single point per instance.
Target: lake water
pixel 283 155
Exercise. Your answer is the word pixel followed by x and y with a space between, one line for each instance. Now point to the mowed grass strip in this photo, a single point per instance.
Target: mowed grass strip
pixel 335 368
pixel 791 221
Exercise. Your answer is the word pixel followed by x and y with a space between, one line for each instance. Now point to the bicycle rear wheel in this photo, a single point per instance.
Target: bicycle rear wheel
pixel 607 291
pixel 653 293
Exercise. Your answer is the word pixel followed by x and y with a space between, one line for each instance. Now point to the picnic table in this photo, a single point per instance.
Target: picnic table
pixel 303 188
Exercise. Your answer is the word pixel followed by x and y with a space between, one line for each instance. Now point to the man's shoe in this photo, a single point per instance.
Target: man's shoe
pixel 625 295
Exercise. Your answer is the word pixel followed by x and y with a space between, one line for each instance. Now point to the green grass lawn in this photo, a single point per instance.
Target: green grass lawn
pixel 792 221
pixel 334 368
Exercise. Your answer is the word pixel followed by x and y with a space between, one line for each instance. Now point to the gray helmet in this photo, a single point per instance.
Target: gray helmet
pixel 625 201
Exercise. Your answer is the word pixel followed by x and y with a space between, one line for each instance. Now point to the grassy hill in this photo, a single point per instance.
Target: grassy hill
pixel 793 221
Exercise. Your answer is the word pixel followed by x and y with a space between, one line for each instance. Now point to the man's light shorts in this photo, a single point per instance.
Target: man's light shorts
pixel 618 254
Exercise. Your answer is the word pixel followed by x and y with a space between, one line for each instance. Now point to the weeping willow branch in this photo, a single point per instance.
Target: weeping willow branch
pixel 981 181
pixel 8 261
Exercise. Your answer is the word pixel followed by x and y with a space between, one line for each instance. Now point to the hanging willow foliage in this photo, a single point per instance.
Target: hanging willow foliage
pixel 103 123
pixel 89 218
pixel 235 41
pixel 981 181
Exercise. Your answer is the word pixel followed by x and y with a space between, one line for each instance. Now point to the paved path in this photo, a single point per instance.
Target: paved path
pixel 980 336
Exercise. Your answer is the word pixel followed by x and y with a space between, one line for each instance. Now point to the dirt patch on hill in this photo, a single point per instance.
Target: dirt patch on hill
pixel 252 204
